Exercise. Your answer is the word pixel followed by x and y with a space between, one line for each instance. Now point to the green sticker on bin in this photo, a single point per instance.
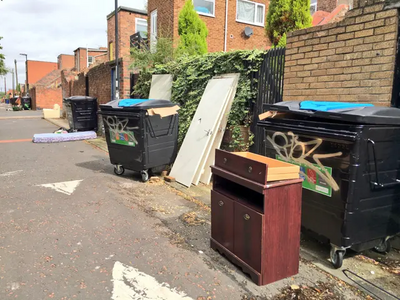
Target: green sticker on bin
pixel 311 179
pixel 123 138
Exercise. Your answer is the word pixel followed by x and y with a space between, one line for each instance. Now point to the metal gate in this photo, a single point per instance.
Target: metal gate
pixel 270 88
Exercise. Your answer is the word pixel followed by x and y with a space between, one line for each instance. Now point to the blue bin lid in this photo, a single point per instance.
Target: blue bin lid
pixel 135 104
pixel 327 106
pixel 130 102
pixel 356 114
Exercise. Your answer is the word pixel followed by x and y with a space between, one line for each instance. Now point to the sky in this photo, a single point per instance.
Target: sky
pixel 43 29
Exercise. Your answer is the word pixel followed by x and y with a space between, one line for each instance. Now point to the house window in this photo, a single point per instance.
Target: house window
pixel 204 7
pixel 313 7
pixel 250 12
pixel 111 50
pixel 141 26
pixel 91 60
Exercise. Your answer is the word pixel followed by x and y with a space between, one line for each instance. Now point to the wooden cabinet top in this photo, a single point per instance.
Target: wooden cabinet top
pixel 254 167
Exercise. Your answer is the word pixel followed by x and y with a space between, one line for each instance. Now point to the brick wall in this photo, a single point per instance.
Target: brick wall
pixel 238 41
pixel 167 20
pixel 100 82
pixel 126 27
pixel 352 60
pixel 79 85
pixel 165 16
pixel 67 78
pixel 65 61
pixel 44 97
pixel 38 69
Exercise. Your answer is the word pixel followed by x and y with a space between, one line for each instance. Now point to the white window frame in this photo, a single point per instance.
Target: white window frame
pixel 140 20
pixel 251 23
pixel 93 60
pixel 314 5
pixel 204 14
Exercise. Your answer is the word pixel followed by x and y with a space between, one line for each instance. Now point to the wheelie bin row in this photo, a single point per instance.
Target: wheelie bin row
pixel 136 140
pixel 349 160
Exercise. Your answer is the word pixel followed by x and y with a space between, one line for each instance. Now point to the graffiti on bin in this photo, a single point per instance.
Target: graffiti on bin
pixel 291 143
pixel 120 133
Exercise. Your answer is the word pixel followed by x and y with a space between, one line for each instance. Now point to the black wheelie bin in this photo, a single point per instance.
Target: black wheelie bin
pixel 350 162
pixel 81 113
pixel 26 102
pixel 137 139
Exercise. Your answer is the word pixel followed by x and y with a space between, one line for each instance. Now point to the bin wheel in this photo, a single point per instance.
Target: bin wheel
pixel 384 247
pixel 337 258
pixel 145 175
pixel 119 170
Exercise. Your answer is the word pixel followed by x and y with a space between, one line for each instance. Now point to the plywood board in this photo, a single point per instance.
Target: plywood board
pixel 204 172
pixel 161 86
pixel 200 130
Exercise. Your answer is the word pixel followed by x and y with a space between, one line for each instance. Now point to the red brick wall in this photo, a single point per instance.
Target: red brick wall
pixel 100 82
pixel 38 69
pixel 257 41
pixel 167 19
pixel 351 60
pixel 43 97
pixel 79 85
pixel 165 16
pixel 101 58
pixel 66 61
pixel 127 27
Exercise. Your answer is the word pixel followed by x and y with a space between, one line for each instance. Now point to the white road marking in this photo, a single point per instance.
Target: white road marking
pixel 131 284
pixel 67 187
pixel 8 174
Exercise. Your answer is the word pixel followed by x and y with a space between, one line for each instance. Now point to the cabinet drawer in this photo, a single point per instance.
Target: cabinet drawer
pixel 253 170
pixel 247 235
pixel 222 220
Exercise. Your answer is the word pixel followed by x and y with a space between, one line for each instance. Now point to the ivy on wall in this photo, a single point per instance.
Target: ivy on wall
pixel 191 75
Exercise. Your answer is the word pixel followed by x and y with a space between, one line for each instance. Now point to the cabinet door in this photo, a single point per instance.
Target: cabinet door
pixel 222 220
pixel 247 235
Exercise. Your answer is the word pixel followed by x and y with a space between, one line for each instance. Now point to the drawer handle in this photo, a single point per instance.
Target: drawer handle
pixel 225 160
pixel 250 169
pixel 220 203
pixel 246 217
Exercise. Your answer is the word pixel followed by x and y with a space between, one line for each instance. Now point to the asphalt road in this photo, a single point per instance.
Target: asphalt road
pixel 92 244
pixel 71 229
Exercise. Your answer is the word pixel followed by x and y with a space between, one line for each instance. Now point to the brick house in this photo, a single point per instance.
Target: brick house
pixel 226 21
pixel 130 21
pixel 85 57
pixel 65 61
pixel 351 60
pixel 47 91
pixel 38 69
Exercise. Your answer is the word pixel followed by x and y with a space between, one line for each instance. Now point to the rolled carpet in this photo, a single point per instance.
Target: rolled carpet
pixel 64 137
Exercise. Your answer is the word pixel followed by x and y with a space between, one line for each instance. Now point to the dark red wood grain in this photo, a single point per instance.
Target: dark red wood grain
pixel 248 235
pixel 242 166
pixel 222 219
pixel 265 244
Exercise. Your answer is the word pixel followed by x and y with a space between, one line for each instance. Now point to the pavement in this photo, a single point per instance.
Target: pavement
pixel 71 229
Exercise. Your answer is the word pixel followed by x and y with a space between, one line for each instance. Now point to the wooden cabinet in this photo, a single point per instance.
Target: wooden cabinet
pixel 256 223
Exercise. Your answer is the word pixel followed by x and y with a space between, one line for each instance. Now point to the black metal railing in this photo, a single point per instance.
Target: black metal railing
pixel 270 88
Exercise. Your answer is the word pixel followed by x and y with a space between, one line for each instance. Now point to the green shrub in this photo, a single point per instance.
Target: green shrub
pixel 191 74
pixel 192 32
pixel 286 16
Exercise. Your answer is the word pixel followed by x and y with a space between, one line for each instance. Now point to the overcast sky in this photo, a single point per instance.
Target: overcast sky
pixel 46 28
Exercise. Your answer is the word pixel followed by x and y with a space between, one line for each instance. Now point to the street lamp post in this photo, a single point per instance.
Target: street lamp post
pixel 26 68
